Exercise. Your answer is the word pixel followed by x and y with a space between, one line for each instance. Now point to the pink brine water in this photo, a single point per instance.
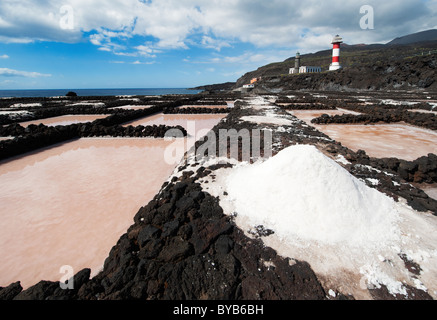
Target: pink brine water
pixel 69 204
pixel 65 120
pixel 381 140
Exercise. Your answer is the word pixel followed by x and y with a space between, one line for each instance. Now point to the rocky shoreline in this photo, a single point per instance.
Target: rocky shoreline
pixel 182 246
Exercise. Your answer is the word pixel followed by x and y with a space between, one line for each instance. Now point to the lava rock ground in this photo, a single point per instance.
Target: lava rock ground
pixel 182 245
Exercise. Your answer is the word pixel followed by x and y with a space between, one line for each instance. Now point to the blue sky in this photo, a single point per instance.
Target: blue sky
pixel 77 44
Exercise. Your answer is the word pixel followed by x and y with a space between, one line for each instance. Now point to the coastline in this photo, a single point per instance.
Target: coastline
pixel 109 92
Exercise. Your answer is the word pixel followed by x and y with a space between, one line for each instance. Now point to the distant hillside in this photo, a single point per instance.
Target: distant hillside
pixel 216 87
pixel 351 57
pixel 419 72
pixel 429 35
pixel 360 58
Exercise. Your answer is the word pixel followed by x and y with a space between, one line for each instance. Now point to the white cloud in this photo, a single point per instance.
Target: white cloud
pixel 4 56
pixel 124 54
pixel 173 23
pixel 104 48
pixel 96 39
pixel 25 20
pixel 4 39
pixel 145 63
pixel 6 82
pixel 146 51
pixel 216 44
pixel 247 58
pixel 6 72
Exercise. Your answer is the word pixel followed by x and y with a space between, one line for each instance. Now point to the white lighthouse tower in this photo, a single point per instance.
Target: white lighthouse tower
pixel 335 65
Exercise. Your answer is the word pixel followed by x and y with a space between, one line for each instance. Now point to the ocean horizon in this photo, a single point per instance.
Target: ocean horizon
pixel 39 93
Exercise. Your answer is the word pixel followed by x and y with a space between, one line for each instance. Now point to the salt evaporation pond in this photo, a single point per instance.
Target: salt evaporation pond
pixel 65 120
pixel 386 140
pixel 380 141
pixel 68 205
pixel 197 125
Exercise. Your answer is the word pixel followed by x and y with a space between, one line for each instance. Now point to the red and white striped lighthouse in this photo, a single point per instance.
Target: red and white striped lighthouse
pixel 335 65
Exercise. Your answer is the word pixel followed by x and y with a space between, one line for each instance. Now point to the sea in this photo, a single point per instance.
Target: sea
pixel 95 92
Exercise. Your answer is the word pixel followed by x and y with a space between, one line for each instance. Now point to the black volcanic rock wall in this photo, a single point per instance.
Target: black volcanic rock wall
pixel 307 107
pixel 37 136
pixel 377 114
pixel 52 108
pixel 422 170
pixel 34 137
pixel 193 110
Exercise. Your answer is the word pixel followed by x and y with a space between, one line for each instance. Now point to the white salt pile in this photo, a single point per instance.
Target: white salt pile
pixel 305 196
pixel 354 237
